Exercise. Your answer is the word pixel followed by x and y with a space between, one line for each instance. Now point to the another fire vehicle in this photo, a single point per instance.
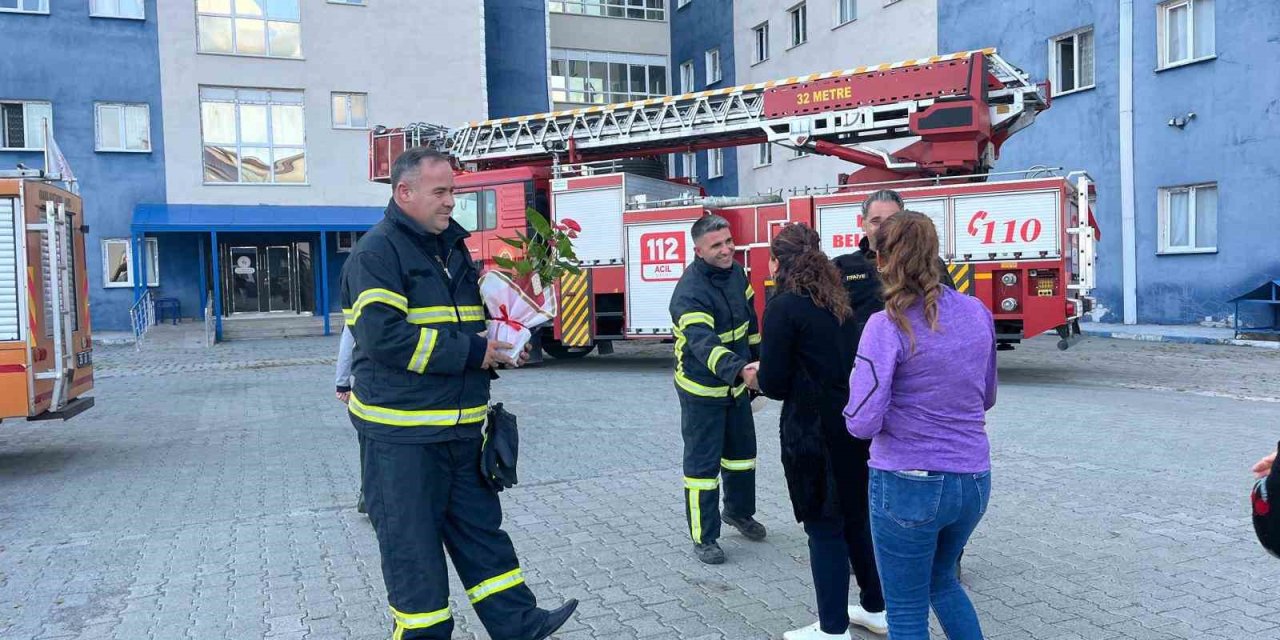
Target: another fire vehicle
pixel 1023 246
pixel 46 364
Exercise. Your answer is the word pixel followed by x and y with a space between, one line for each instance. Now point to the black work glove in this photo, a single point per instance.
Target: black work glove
pixel 500 449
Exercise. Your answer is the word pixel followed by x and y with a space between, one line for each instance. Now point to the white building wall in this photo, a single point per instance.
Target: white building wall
pixel 884 31
pixel 415 62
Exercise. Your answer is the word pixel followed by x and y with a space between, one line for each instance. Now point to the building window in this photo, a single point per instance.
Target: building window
pixel 713 66
pixel 597 77
pixel 123 127
pixel 250 28
pixel 356 3
pixel 23 125
pixel 477 210
pixel 1071 58
pixel 117 262
pixel 630 9
pixel 1186 31
pixel 846 11
pixel 686 77
pixel 253 136
pixel 690 165
pixel 350 110
pixel 24 6
pixel 764 154
pixel 347 240
pixel 761 52
pixel 799 24
pixel 715 163
pixel 1189 219
pixel 131 9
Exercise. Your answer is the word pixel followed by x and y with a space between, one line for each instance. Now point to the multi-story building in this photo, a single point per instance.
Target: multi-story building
pixel 702 58
pixel 268 107
pixel 776 39
pixel 1171 106
pixel 89 68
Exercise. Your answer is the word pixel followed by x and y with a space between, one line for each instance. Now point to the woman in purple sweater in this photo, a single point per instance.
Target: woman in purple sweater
pixel 924 376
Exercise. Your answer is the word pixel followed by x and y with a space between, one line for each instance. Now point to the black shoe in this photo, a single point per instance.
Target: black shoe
pixel 556 619
pixel 710 553
pixel 360 504
pixel 748 526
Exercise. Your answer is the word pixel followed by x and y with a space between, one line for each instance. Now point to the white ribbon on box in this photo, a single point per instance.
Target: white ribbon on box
pixel 513 311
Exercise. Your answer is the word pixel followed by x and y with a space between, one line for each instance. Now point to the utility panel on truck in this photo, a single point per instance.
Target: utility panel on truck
pixel 46 359
pixel 597 203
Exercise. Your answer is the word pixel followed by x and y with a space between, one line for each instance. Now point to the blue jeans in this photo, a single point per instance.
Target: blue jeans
pixel 920 525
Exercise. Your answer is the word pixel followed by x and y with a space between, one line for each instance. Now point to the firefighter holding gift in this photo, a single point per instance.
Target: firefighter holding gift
pixel 421 397
pixel 716 338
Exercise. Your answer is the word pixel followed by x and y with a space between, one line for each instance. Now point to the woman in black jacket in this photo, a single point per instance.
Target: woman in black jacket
pixel 807 352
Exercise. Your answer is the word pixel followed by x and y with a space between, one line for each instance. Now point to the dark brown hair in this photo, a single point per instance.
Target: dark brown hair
pixel 805 270
pixel 907 246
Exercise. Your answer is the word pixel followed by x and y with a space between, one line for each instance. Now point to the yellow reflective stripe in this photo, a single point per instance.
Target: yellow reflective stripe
pixel 349 317
pixel 701 484
pixel 738 465
pixel 740 389
pixel 753 338
pixel 736 334
pixel 431 315
pixel 422 354
pixel 698 389
pixel 384 296
pixel 445 313
pixel 495 585
pixel 716 354
pixel 695 317
pixel 751 293
pixel 421 418
pixel 471 313
pixel 418 620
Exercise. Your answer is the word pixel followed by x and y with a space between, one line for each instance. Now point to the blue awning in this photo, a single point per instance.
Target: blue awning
pixel 237 217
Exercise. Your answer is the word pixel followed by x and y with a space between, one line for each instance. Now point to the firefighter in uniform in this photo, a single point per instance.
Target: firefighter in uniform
pixel 422 370
pixel 716 338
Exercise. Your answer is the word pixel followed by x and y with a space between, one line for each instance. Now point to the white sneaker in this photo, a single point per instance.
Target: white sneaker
pixel 875 622
pixel 814 632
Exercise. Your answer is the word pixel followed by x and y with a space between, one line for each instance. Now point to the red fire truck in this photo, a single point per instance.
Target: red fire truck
pixel 1023 244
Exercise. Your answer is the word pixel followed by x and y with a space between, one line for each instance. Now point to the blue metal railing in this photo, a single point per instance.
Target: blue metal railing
pixel 142 316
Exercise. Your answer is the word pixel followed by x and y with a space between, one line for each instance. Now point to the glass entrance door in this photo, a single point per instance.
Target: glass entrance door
pixel 243 280
pixel 281 285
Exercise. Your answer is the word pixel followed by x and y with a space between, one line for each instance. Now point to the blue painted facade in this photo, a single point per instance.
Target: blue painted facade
pixel 516 57
pixel 112 60
pixel 696 28
pixel 1231 141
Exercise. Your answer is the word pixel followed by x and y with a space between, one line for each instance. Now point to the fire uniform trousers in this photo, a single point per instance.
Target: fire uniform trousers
pixel 717 334
pixel 420 399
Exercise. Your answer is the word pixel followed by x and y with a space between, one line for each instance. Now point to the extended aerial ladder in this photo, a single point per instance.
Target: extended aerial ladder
pixel 962 106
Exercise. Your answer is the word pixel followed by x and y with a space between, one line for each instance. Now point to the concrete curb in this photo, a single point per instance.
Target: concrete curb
pixel 1176 339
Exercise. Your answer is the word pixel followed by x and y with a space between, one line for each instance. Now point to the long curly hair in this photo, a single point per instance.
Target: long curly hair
pixel 907 246
pixel 805 270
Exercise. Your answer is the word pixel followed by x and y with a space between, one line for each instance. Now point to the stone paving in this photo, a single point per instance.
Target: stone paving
pixel 210 493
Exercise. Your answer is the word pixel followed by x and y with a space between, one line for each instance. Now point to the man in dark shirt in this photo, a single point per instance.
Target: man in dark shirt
pixel 858 269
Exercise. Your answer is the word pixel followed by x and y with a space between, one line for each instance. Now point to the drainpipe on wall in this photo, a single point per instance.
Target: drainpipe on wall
pixel 1128 227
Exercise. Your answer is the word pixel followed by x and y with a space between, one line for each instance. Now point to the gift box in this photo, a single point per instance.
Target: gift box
pixel 516 307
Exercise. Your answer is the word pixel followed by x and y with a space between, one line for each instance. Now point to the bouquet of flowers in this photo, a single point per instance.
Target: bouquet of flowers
pixel 522 296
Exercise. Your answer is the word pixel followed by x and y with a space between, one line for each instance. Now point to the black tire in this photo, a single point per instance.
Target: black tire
pixel 558 351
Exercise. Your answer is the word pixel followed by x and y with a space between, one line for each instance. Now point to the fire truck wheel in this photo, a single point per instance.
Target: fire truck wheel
pixel 558 351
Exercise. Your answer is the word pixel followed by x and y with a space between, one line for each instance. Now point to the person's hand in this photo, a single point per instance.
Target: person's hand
pixel 1263 467
pixel 524 354
pixel 344 396
pixel 750 375
pixel 494 356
